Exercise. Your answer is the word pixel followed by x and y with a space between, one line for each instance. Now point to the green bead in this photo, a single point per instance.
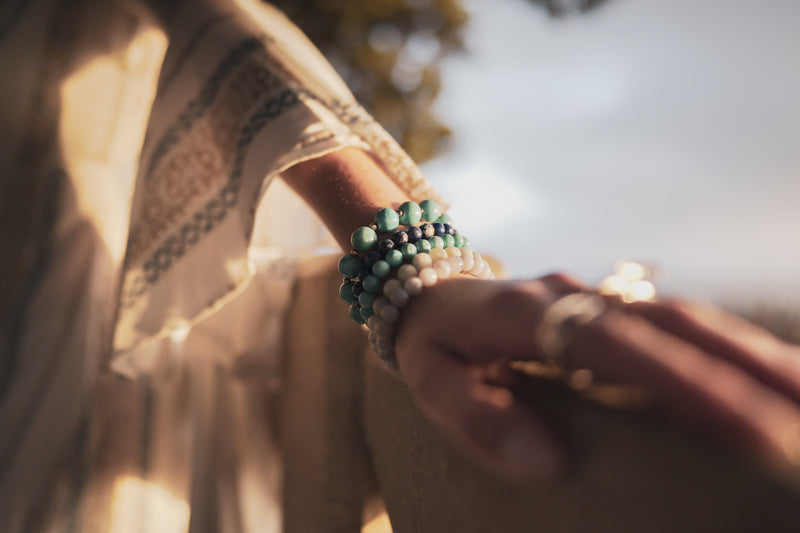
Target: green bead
pixel 366 312
pixel 436 242
pixel 366 299
pixel 410 213
pixel 459 240
pixel 430 210
pixel 364 239
pixel 423 245
pixel 355 316
pixel 387 220
pixel 466 243
pixel 444 219
pixel 346 292
pixel 381 269
pixel 349 266
pixel 371 284
pixel 409 251
pixel 394 258
pixel 449 241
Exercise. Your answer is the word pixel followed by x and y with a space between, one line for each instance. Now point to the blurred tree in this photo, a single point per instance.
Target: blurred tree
pixel 388 52
pixel 560 8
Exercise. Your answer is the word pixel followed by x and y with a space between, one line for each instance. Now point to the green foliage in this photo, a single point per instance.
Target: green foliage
pixel 388 52
pixel 560 8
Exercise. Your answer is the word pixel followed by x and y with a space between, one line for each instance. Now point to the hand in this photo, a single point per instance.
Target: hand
pixel 453 342
pixel 713 369
pixel 702 365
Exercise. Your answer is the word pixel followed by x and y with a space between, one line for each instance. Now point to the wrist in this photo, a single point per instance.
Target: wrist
pixel 401 253
pixel 345 188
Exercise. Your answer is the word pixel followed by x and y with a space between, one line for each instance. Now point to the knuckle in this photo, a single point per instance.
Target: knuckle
pixel 557 277
pixel 610 328
pixel 561 281
pixel 678 307
pixel 513 299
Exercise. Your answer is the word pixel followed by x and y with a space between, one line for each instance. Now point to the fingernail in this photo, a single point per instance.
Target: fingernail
pixel 530 454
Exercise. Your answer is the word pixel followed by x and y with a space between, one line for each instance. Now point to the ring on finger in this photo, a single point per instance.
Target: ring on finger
pixel 555 331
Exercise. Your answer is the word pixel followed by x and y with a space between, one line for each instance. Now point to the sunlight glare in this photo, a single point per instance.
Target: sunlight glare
pixel 139 505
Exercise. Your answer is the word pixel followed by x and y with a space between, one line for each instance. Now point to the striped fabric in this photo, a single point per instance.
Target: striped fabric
pixel 146 273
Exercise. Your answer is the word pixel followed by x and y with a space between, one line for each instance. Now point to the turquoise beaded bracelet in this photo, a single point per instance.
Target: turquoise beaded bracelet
pixel 394 259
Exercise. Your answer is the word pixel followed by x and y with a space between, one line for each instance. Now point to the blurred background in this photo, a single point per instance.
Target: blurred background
pixel 569 134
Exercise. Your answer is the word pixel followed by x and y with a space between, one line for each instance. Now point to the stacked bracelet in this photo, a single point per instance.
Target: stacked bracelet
pixel 394 259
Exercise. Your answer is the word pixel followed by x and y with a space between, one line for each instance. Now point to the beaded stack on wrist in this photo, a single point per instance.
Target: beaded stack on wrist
pixel 394 259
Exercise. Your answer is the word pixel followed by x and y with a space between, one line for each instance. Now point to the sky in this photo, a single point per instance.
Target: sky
pixel 666 132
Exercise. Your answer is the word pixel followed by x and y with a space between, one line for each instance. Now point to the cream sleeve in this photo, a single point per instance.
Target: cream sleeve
pixel 242 96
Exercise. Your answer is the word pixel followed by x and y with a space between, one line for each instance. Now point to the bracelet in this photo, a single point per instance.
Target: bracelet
pixel 394 259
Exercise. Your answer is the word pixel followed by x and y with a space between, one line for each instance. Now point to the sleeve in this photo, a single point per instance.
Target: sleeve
pixel 243 95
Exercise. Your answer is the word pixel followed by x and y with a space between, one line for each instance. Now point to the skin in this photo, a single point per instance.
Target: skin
pixel 702 365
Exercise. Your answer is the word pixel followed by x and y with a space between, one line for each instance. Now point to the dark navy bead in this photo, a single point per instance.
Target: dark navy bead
pixel 386 245
pixel 400 238
pixel 438 229
pixel 358 288
pixel 427 230
pixel 414 234
pixel 449 230
pixel 371 258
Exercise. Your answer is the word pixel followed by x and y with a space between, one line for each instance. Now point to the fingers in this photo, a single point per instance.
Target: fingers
pixel 451 338
pixel 478 321
pixel 704 367
pixel 687 381
pixel 562 284
pixel 485 419
pixel 754 350
pixel 487 321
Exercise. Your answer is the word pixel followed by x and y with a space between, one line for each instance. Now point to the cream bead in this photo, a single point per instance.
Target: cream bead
pixel 438 253
pixel 453 251
pixel 378 304
pixel 428 276
pixel 385 345
pixel 442 268
pixel 477 268
pixel 456 263
pixel 486 273
pixel 384 329
pixel 390 314
pixel 406 271
pixel 422 260
pixel 372 321
pixel 390 286
pixel 413 286
pixel 399 297
pixel 468 258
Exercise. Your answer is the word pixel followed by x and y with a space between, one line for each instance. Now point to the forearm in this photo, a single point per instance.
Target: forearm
pixel 345 188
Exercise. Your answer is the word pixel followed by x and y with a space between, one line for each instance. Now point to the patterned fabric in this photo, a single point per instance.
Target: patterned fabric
pixel 268 100
pixel 139 140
